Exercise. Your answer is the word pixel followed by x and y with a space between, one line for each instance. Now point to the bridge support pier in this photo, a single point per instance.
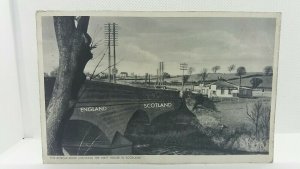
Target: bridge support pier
pixel 121 145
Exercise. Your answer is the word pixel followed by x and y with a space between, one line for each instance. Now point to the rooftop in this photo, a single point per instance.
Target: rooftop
pixel 224 84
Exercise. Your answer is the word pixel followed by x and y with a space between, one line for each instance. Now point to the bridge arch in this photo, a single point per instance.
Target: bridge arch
pixel 138 125
pixel 173 119
pixel 80 137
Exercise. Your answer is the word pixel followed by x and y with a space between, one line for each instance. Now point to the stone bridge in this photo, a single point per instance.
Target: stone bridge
pixel 109 108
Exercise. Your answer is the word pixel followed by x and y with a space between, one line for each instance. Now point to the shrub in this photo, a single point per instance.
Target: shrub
pixel 259 115
pixel 197 100
pixel 250 144
pixel 219 141
pixel 208 121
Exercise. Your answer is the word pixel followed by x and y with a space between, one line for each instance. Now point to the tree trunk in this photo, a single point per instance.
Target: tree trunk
pixel 74 52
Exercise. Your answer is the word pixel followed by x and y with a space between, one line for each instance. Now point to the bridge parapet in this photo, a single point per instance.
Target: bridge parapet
pixel 110 107
pixel 101 106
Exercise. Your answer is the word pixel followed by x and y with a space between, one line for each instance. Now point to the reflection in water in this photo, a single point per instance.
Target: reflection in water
pixel 172 150
pixel 171 133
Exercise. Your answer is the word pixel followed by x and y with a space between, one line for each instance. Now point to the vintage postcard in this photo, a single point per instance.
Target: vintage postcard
pixel 157 87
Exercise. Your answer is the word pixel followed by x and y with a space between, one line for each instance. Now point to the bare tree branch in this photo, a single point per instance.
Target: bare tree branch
pixel 92 76
pixel 109 67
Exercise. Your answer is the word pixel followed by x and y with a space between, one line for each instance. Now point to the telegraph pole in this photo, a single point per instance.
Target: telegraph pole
pixel 107 37
pixel 157 77
pixel 114 44
pixel 183 67
pixel 162 73
pixel 111 32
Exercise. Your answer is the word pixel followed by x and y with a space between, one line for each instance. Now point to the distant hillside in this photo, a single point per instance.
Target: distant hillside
pixel 230 77
pixel 267 81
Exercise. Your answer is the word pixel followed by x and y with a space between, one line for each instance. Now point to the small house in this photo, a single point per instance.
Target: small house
pixel 124 74
pixel 245 92
pixel 264 89
pixel 220 88
pixel 262 92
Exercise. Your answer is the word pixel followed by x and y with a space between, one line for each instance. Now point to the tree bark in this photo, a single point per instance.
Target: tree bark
pixel 74 52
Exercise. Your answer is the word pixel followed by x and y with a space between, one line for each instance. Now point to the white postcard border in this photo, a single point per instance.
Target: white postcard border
pixel 158 159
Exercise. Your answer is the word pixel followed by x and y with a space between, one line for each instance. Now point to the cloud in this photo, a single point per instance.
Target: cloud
pixel 201 42
pixel 133 52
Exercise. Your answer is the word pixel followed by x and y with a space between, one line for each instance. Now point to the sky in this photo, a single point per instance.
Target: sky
pixel 201 42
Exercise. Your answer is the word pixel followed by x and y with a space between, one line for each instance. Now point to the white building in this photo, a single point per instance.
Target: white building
pixel 262 92
pixel 219 88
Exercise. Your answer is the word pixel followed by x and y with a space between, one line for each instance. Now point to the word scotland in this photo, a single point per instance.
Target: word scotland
pixel 157 105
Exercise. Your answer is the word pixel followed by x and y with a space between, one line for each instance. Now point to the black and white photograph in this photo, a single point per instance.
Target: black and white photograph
pixel 157 87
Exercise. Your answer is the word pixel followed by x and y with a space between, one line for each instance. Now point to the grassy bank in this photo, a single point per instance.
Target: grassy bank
pixel 231 128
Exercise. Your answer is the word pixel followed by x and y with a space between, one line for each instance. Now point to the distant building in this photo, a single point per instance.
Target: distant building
pixel 245 92
pixel 124 74
pixel 222 88
pixel 262 92
pixel 264 89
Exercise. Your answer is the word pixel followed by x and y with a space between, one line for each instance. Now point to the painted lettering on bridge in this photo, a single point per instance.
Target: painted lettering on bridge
pixel 157 105
pixel 93 109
